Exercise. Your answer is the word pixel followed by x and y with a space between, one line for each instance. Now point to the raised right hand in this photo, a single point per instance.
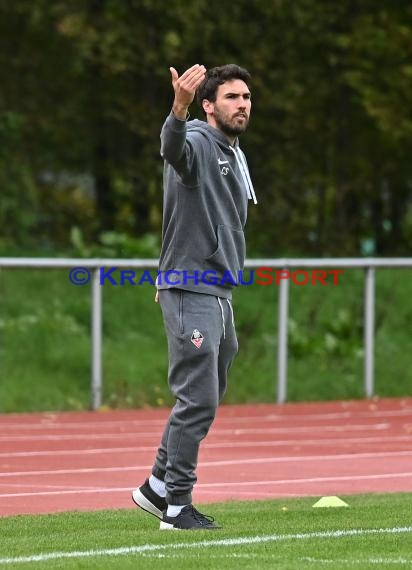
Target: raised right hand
pixel 185 88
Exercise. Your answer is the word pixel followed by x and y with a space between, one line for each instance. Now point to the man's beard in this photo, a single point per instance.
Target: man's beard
pixel 229 126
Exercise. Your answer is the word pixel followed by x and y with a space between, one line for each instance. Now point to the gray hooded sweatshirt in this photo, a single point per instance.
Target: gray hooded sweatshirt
pixel 206 191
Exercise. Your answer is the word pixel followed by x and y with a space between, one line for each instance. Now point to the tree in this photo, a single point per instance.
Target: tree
pixel 86 88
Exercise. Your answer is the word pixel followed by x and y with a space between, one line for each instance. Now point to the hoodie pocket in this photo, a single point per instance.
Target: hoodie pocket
pixel 229 254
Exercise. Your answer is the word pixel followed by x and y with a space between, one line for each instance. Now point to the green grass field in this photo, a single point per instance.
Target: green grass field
pixel 375 531
pixel 45 342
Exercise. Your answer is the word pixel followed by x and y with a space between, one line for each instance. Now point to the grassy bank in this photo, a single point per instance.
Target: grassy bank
pixel 45 342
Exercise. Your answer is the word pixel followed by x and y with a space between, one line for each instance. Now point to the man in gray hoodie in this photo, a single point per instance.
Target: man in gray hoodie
pixel 207 187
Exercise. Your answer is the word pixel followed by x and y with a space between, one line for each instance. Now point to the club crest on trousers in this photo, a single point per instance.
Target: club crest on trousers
pixel 197 338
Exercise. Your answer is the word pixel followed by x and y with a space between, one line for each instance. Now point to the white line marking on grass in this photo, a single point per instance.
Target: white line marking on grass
pixel 145 548
pixel 361 562
pixel 276 558
pixel 385 561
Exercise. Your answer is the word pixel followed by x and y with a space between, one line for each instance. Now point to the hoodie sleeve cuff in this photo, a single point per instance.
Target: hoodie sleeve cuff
pixel 179 121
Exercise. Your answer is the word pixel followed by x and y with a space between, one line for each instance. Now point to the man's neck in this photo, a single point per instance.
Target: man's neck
pixel 230 138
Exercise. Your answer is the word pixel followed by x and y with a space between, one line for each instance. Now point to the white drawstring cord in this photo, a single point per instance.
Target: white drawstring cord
pixel 251 189
pixel 244 171
pixel 223 317
pixel 231 312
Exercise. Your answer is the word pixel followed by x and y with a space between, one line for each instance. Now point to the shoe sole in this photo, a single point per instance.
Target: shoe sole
pixel 144 503
pixel 167 526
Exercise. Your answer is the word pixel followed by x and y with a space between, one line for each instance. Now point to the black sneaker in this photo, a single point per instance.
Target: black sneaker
pixel 149 501
pixel 188 519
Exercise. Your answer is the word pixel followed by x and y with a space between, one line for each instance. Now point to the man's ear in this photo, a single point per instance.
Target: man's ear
pixel 208 107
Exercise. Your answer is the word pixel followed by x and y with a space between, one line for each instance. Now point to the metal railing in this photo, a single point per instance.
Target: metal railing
pixel 368 264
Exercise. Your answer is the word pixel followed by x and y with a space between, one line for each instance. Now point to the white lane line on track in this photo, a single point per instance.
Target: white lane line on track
pixel 230 542
pixel 309 480
pixel 291 482
pixel 246 495
pixel 44 422
pixel 216 432
pixel 219 445
pixel 227 462
pixel 82 491
pixel 42 486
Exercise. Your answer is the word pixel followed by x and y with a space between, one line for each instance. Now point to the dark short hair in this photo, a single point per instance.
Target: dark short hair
pixel 217 76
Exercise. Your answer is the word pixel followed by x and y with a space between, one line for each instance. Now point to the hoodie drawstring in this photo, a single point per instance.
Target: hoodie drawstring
pixel 223 315
pixel 240 158
pixel 231 312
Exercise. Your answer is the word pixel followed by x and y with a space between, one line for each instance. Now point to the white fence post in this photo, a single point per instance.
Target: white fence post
pixel 283 317
pixel 96 335
pixel 369 331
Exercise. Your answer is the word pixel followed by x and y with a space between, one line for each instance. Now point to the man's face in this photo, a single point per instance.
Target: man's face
pixel 231 111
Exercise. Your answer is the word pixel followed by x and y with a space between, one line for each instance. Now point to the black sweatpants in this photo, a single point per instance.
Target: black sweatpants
pixel 201 344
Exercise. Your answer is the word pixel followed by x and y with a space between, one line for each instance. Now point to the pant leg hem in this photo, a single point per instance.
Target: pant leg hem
pixel 179 500
pixel 159 473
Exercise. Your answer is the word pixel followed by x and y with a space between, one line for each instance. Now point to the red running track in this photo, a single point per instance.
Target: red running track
pixel 85 461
